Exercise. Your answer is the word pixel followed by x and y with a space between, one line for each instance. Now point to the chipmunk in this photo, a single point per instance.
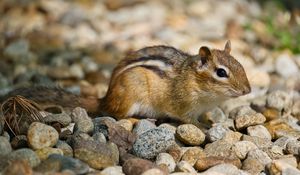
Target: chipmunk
pixel 160 81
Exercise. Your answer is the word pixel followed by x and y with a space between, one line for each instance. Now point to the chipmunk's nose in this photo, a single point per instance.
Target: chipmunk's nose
pixel 246 90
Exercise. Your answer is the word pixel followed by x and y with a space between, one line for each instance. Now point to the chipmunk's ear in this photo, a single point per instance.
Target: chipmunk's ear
pixel 227 48
pixel 204 54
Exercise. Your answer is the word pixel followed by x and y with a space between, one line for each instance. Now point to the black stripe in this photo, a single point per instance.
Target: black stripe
pixel 155 69
pixel 151 57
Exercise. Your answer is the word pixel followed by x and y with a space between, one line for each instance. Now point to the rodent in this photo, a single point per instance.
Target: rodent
pixel 160 81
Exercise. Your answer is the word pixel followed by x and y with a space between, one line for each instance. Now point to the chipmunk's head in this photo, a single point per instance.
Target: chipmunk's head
pixel 219 73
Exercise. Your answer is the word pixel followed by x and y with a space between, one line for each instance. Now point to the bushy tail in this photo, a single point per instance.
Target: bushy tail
pixel 45 96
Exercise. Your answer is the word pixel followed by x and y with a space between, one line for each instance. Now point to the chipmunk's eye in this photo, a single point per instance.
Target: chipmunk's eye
pixel 221 72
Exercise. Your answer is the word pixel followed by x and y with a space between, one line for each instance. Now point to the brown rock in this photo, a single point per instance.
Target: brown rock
pixel 271 113
pixel 137 166
pixel 207 162
pixel 252 166
pixel 278 128
pixel 190 134
pixel 192 155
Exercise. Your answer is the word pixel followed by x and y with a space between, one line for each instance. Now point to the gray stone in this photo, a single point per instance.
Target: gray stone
pixel 285 66
pixel 143 126
pixel 152 142
pixel 224 169
pixel 61 118
pixel 99 125
pixel 279 100
pixel 25 154
pixel 99 137
pixel 217 132
pixel 83 123
pixel 293 147
pixel 259 142
pixel 216 115
pixel 5 147
pixel 40 135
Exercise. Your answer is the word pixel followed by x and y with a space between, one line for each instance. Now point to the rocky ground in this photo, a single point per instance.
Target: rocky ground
pixel 76 44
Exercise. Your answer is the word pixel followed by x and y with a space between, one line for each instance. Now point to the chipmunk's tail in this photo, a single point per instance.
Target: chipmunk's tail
pixel 47 96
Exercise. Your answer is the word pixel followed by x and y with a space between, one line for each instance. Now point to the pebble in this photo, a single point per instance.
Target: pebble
pixel 45 152
pixel 224 169
pixel 217 132
pixel 278 128
pixel 190 134
pixel 137 166
pixel 83 123
pixel 97 155
pixel 5 147
pixel 260 155
pixel 40 135
pixel 171 126
pixel 65 147
pixel 25 154
pixel 152 142
pixel 274 152
pixel 17 167
pixel 99 125
pixel 279 100
pixel 252 166
pixel 285 66
pixel 259 131
pixel 61 118
pixel 295 110
pixel 280 167
pixel 184 166
pixel 113 170
pixel 244 116
pixel 293 147
pixel 143 126
pixel 154 171
pixel 219 148
pixel 258 141
pixel 59 163
pixel 192 154
pixel 166 159
pixel 99 137
pixel 205 163
pixel 127 124
pixel 216 115
pixel 242 148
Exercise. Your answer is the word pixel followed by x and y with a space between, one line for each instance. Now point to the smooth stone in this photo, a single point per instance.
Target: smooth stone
pixel 99 137
pixel 293 147
pixel 143 126
pixel 190 134
pixel 224 169
pixel 60 163
pixel 65 147
pixel 154 171
pixel 166 159
pixel 5 147
pixel 219 148
pixel 280 167
pixel 97 155
pixel 40 135
pixel 242 148
pixel 152 142
pixel 259 131
pixel 216 115
pixel 113 170
pixel 44 153
pixel 137 166
pixel 83 123
pixel 205 163
pixel 61 118
pixel 25 154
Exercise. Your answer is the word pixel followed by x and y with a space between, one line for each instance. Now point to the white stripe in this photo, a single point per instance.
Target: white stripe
pixel 160 64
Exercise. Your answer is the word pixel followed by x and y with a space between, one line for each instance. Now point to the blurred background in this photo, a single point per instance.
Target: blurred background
pixel 76 44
